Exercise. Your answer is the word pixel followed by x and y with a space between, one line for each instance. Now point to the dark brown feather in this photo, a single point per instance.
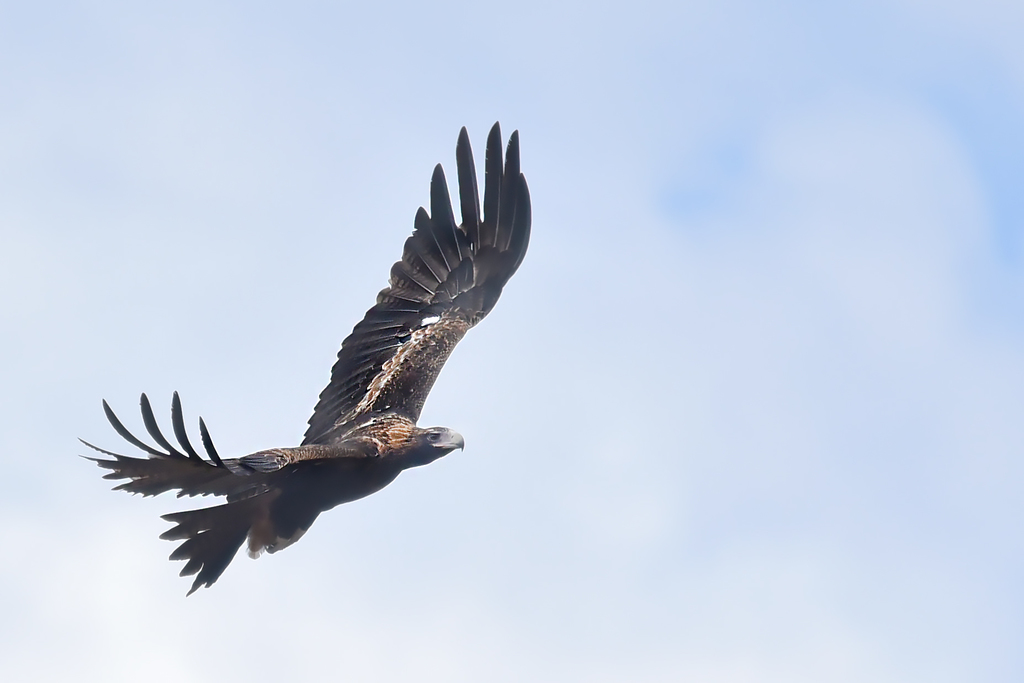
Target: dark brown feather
pixel 469 196
pixel 178 423
pixel 492 188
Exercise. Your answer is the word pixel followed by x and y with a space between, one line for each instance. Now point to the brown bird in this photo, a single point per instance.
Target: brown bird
pixel 363 431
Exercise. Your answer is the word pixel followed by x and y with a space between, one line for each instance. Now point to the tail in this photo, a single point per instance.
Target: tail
pixel 213 535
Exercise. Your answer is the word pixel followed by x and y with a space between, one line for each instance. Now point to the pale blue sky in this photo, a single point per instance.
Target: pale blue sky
pixel 751 410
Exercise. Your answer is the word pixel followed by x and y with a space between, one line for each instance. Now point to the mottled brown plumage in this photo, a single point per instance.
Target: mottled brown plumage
pixel 363 432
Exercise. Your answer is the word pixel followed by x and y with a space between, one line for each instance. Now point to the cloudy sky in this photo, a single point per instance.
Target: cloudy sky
pixel 751 410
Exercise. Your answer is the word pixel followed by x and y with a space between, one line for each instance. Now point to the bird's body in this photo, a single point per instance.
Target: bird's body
pixel 363 431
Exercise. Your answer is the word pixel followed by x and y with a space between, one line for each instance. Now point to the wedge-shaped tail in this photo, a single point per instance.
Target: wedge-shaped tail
pixel 271 521
pixel 213 535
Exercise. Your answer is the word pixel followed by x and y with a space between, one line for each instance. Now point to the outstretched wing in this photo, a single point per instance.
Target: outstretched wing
pixel 171 469
pixel 190 474
pixel 449 278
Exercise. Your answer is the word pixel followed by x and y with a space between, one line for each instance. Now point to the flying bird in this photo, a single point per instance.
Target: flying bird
pixel 363 431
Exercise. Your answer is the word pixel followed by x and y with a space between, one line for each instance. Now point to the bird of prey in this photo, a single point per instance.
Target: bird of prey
pixel 363 431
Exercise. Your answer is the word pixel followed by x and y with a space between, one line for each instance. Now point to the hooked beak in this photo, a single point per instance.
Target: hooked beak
pixel 455 440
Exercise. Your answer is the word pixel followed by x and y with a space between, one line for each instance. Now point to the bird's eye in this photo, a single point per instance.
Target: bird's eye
pixel 433 437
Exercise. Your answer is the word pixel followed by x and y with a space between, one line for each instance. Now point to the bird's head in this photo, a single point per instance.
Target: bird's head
pixel 432 443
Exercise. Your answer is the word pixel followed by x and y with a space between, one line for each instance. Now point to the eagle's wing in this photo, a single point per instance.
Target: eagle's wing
pixel 169 469
pixel 449 278
pixel 180 468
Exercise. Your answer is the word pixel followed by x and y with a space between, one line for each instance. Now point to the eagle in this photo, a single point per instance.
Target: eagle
pixel 363 430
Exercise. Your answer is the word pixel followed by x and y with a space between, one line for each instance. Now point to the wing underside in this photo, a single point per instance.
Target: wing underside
pixel 449 278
